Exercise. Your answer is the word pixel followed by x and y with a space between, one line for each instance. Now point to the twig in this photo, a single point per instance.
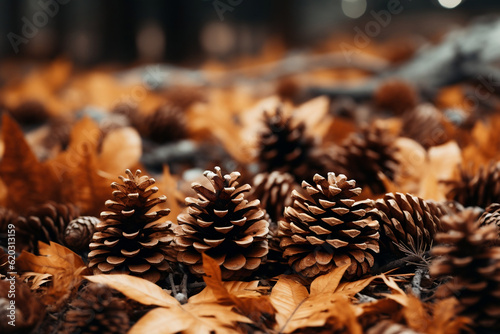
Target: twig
pixel 416 282
pixel 184 287
pixel 172 284
pixel 402 262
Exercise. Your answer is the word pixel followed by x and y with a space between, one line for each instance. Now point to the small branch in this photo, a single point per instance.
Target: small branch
pixel 172 284
pixel 402 262
pixel 416 282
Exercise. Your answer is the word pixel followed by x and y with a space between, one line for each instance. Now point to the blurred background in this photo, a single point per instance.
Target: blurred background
pixel 191 31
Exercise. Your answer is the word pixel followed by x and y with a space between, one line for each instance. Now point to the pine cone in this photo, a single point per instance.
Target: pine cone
pixel 466 253
pixel 129 111
pixel 28 311
pixel 113 121
pixel 396 96
pixel 491 215
pixel 166 124
pixel 407 222
pixel 477 189
pixel 222 223
pixel 448 207
pixel 129 239
pixel 284 146
pixel 364 155
pixel 273 190
pixel 96 310
pixel 425 125
pixel 326 228
pixel 6 217
pixel 183 97
pixel 30 112
pixel 59 132
pixel 44 223
pixel 79 231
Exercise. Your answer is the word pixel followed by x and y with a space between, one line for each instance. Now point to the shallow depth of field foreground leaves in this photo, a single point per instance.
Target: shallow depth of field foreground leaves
pixel 276 205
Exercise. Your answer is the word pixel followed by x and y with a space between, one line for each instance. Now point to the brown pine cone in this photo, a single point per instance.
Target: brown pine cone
pixel 79 231
pixel 129 239
pixel 166 124
pixel 129 111
pixel 491 215
pixel 396 95
pixel 466 254
pixel 425 125
pixel 59 132
pixel 447 207
pixel 326 228
pixel 477 189
pixel 364 155
pixel 283 146
pixel 222 223
pixel 407 222
pixel 273 190
pixel 31 112
pixel 27 311
pixel 96 310
pixel 44 223
pixel 6 217
pixel 183 97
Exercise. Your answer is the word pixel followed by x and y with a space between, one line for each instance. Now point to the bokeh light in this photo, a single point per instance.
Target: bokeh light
pixel 449 3
pixel 354 8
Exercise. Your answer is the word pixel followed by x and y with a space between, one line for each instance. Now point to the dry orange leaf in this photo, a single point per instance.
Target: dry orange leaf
pixel 136 288
pixel 29 182
pixel 78 169
pixel 168 185
pixel 323 307
pixel 58 261
pixel 190 319
pixel 121 149
pixel 254 307
pixel 441 165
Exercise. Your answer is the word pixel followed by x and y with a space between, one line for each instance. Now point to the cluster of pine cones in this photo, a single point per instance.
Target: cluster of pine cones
pixel 303 210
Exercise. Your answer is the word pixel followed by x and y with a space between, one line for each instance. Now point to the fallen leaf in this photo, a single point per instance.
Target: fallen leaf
pixel 325 306
pixel 328 283
pixel 138 289
pixel 236 288
pixel 256 308
pixel 64 266
pixel 287 296
pixel 78 169
pixel 315 115
pixel 121 149
pixel 28 181
pixel 197 318
pixel 441 165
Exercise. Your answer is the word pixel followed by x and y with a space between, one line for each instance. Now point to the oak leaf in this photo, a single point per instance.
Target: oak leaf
pixel 254 307
pixel 64 266
pixel 297 309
